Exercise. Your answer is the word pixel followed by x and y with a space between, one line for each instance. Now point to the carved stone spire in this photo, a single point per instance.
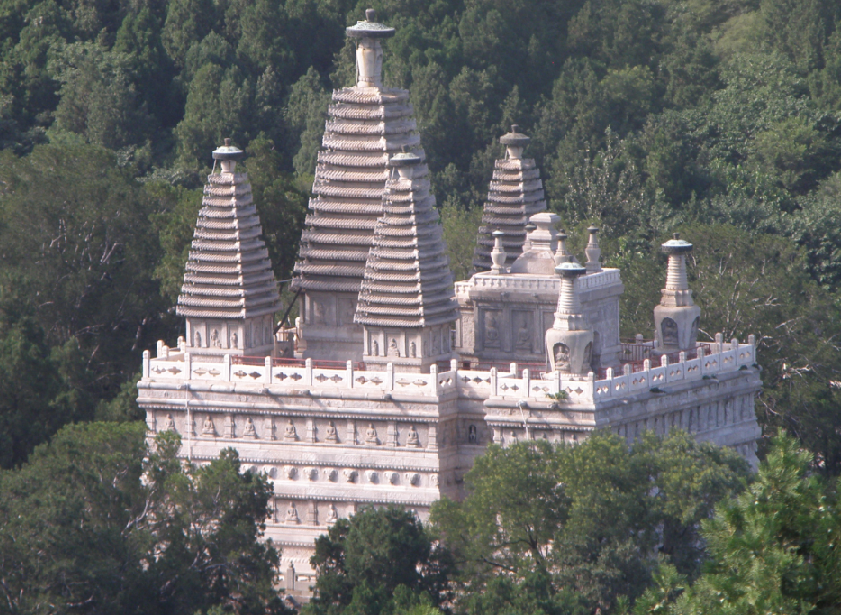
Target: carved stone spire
pixel 569 341
pixel 366 124
pixel 406 302
pixel 676 318
pixel 229 293
pixel 514 194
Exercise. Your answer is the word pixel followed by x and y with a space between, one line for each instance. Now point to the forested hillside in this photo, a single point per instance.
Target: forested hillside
pixel 719 119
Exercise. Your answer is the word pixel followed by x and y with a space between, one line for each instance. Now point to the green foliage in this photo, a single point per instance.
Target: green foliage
pixel 774 548
pixel 381 561
pixel 94 523
pixel 564 529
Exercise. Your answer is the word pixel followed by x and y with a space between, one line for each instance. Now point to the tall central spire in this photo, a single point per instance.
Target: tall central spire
pixel 367 124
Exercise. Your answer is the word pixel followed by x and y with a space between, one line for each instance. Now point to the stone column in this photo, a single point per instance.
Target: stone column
pixel 569 342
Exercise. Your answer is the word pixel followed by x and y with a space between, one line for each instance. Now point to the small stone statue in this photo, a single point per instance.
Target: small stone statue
pixel 234 340
pixel 371 435
pixel 292 514
pixel 412 439
pixel 393 349
pixel 513 438
pixel 289 432
pixel 491 332
pixel 198 338
pixel 375 351
pixel 214 338
pixel 350 475
pixel 332 514
pixel 250 431
pixel 669 330
pixel 562 357
pixel 412 350
pixel 208 429
pixel 169 423
pixel 523 336
pixel 330 433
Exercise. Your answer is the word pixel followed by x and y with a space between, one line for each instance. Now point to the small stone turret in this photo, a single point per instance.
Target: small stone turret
pixel 514 194
pixel 406 302
pixel 592 251
pixel 569 341
pixel 676 318
pixel 229 293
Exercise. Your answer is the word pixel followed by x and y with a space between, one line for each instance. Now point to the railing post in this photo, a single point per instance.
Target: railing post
pixel 454 365
pixel 390 376
pixel 513 368
pixel 146 365
pixel 718 339
pixel 493 380
pixel 647 368
pixel 226 366
pixel 527 382
pixel 308 371
pixel 349 373
pixel 188 366
pixel 267 364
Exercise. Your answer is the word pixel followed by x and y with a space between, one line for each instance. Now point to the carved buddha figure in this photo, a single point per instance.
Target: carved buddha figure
pixel 214 339
pixel 412 350
pixel 375 350
pixel 332 513
pixel 371 435
pixel 393 349
pixel 562 357
pixel 169 423
pixel 197 337
pixel 208 428
pixel 669 331
pixel 492 335
pixel 249 430
pixel 292 514
pixel 330 433
pixel 523 334
pixel 289 431
pixel 234 340
pixel 412 439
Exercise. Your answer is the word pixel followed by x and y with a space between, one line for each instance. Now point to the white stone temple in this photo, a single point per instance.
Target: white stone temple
pixel 401 377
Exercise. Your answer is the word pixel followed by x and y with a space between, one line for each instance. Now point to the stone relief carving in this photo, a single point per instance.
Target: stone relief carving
pixel 270 471
pixel 330 433
pixel 562 357
pixel 290 472
pixel 523 337
pixel 169 423
pixel 412 350
pixel 330 474
pixel 371 476
pixel 269 429
pixel 292 514
pixel 434 479
pixel 249 430
pixel 197 338
pixel 492 331
pixel 472 434
pixel 371 435
pixel 350 475
pixel 394 351
pixel 235 340
pixel 375 350
pixel 208 428
pixel 392 477
pixel 289 431
pixel 332 513
pixel 413 478
pixel 412 439
pixel 214 339
pixel 669 332
pixel 311 474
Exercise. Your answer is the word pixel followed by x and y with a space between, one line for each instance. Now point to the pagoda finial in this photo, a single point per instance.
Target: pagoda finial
pixel 515 142
pixel 369 51
pixel 592 251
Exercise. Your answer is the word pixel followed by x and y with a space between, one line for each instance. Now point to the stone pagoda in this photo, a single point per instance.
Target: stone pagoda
pixel 367 124
pixel 514 194
pixel 229 293
pixel 406 302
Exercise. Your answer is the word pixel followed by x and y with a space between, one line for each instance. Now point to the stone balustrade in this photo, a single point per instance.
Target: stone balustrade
pixel 719 358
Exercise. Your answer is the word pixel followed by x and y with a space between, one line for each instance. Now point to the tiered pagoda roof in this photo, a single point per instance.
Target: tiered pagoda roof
pixel 407 279
pixel 514 194
pixel 228 273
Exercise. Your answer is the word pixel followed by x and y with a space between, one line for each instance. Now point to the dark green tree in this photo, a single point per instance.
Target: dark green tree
pixel 375 559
